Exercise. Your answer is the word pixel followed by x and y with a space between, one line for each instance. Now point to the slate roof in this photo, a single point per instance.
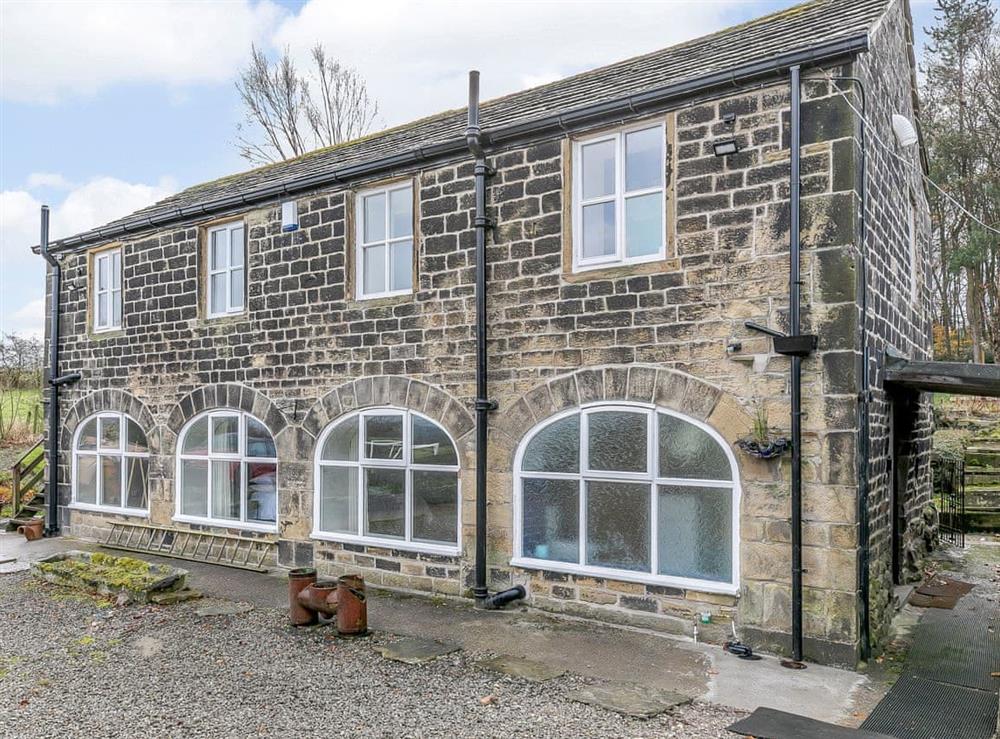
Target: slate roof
pixel 800 27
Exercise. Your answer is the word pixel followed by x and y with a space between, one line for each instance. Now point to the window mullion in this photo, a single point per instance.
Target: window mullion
pixel 582 515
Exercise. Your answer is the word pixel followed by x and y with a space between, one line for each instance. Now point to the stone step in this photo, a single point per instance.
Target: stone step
pixel 980 521
pixel 980 457
pixel 982 476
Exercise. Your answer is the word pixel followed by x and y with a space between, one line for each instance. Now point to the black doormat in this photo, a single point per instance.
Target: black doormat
pixel 767 723
pixel 915 711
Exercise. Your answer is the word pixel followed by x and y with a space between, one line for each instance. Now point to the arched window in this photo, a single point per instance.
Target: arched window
pixel 628 491
pixel 227 471
pixel 111 465
pixel 387 477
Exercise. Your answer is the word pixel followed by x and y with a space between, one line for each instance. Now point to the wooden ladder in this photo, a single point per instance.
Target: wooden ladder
pixel 197 546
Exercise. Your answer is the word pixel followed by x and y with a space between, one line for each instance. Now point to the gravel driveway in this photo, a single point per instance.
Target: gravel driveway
pixel 74 666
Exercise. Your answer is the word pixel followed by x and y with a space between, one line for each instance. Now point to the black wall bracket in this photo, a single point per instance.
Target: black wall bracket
pixel 791 346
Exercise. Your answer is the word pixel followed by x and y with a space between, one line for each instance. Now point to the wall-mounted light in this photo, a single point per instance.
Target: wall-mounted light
pixel 289 216
pixel 729 119
pixel 725 147
pixel 904 131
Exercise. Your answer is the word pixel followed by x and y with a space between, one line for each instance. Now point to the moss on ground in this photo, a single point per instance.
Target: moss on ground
pixel 117 573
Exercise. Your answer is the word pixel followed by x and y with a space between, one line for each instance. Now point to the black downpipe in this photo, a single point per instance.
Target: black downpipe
pixel 794 329
pixel 52 525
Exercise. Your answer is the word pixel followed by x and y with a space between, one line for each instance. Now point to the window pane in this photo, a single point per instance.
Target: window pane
pixel 111 481
pixel 102 309
pixel 643 225
pixel 618 525
pixel 384 437
pixel 556 448
pixel 116 308
pixel 598 169
pixel 385 502
pixel 687 451
pixel 402 266
pixel 259 441
pixel 86 479
pixel 431 444
pixel 218 257
pixel 643 159
pixel 225 435
pixel 338 502
pixel 217 293
pixel 136 481
pixel 225 490
pixel 194 487
pixel 110 433
pixel 374 269
pixel 342 443
pixel 116 270
pixel 551 519
pixel 88 435
pixel 695 531
pixel 135 440
pixel 102 272
pixel 616 440
pixel 374 215
pixel 435 506
pixel 236 288
pixel 236 247
pixel 401 213
pixel 598 230
pixel 262 492
pixel 196 438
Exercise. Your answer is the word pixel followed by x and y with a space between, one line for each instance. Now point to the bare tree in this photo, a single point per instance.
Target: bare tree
pixel 288 114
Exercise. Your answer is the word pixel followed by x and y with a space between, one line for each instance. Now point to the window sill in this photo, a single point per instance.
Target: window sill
pixel 263 528
pixel 92 508
pixel 618 270
pixel 703 586
pixel 106 333
pixel 407 546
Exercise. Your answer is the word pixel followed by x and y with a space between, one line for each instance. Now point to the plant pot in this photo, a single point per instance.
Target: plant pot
pixel 769 449
pixel 352 606
pixel 299 580
pixel 32 530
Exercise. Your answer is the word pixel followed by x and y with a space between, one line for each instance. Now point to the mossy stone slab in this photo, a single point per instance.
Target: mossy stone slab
pixel 415 651
pixel 636 701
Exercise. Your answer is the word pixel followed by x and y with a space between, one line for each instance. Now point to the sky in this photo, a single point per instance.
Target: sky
pixel 108 106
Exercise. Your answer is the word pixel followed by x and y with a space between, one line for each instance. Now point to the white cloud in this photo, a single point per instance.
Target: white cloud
pixel 48 179
pixel 52 50
pixel 28 319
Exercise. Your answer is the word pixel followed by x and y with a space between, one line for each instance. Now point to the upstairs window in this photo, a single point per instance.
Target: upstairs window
pixel 111 465
pixel 384 255
pixel 618 198
pixel 107 301
pixel 226 272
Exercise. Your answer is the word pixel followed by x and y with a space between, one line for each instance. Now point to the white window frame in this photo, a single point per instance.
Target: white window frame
pixel 113 259
pixel 407 543
pixel 387 242
pixel 210 271
pixel 120 452
pixel 239 456
pixel 650 477
pixel 619 258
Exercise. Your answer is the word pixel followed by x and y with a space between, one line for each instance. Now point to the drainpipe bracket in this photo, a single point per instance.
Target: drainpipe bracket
pixel 483 222
pixel 484 404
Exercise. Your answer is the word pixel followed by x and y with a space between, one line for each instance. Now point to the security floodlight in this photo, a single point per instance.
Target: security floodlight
pixel 725 147
pixel 905 133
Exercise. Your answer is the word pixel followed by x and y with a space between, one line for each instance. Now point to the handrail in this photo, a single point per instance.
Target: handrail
pixel 26 475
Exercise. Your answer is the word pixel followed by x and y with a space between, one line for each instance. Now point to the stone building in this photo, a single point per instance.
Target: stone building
pixel 315 387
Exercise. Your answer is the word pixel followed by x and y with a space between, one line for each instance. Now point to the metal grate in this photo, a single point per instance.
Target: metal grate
pixel 197 546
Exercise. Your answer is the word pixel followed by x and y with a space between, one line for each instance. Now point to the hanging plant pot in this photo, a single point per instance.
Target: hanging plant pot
pixel 765 449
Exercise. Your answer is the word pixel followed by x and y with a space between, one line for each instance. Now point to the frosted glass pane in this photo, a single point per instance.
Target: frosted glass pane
pixel 598 169
pixel 116 270
pixel 643 159
pixel 110 433
pixel 236 288
pixel 194 487
pixel 136 481
pixel 236 248
pixel 384 437
pixel 259 441
pixel 374 218
pixel 116 308
pixel 262 492
pixel 88 435
pixel 196 438
pixel 342 443
pixel 598 230
pixel 385 502
pixel 688 451
pixel 695 531
pixel 225 435
pixel 401 213
pixel 102 309
pixel 402 266
pixel 338 502
pixel 643 225
pixel 102 272
pixel 217 290
pixel 551 519
pixel 617 441
pixel 435 506
pixel 431 444
pixel 219 258
pixel 618 525
pixel 556 448
pixel 374 269
pixel 111 481
pixel 86 479
pixel 226 490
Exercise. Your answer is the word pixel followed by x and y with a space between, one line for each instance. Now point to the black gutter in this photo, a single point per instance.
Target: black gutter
pixel 617 109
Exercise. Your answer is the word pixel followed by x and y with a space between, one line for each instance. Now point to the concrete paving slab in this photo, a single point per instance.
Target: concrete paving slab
pixel 414 651
pixel 13 566
pixel 527 669
pixel 223 609
pixel 631 700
